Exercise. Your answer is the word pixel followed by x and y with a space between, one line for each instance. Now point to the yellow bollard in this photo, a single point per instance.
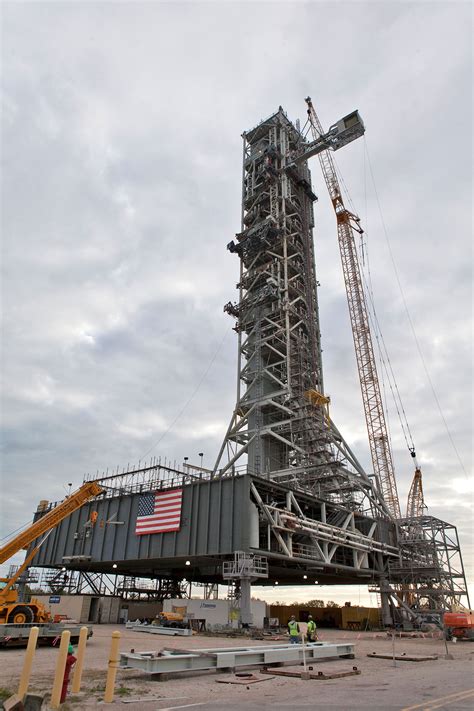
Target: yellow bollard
pixel 60 666
pixel 29 656
pixel 81 649
pixel 114 659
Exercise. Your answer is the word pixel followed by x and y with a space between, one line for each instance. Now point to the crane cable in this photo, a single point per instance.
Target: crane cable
pixel 189 400
pixel 386 362
pixel 412 327
pixel 388 369
pixel 12 533
pixel 382 348
pixel 384 358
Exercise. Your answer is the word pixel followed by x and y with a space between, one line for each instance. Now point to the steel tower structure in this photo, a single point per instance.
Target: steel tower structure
pixel 281 420
pixel 287 501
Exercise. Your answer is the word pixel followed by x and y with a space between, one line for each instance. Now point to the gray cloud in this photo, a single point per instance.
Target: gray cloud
pixel 121 187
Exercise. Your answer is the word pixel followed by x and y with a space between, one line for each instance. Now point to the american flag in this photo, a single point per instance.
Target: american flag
pixel 159 512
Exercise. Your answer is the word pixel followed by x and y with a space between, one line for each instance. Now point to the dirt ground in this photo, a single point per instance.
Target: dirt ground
pixel 408 686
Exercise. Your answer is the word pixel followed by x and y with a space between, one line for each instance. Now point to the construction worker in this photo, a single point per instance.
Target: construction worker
pixel 311 630
pixel 293 630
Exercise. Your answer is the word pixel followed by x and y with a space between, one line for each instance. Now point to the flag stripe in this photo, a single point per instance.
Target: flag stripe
pixel 159 517
pixel 169 507
pixel 168 494
pixel 162 524
pixel 149 520
pixel 140 532
pixel 158 528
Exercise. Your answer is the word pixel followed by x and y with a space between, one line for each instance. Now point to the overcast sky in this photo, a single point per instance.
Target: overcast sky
pixel 121 180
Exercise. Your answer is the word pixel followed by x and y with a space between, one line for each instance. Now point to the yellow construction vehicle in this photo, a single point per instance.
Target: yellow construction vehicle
pixel 171 619
pixel 12 610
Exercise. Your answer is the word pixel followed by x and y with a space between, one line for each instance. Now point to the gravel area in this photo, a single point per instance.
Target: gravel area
pixel 439 684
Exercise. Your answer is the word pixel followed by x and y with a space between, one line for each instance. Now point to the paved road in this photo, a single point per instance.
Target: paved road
pixel 457 701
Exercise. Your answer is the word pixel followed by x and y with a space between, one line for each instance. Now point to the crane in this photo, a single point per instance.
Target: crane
pixel 347 224
pixel 10 609
pixel 70 504
pixel 416 500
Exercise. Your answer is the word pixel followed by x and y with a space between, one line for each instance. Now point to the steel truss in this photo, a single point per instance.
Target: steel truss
pixel 129 588
pixel 323 538
pixel 132 588
pixel 429 577
pixel 281 422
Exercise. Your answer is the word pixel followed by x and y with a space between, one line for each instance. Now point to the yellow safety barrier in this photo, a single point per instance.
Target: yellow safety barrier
pixel 114 659
pixel 27 664
pixel 60 666
pixel 81 649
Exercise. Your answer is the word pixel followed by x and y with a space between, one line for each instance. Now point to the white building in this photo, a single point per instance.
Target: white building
pixel 215 613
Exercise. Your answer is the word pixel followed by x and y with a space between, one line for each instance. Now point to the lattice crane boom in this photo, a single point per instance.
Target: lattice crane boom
pixel 347 224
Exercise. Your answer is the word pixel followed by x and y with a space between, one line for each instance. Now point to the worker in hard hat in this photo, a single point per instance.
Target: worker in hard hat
pixel 311 630
pixel 293 630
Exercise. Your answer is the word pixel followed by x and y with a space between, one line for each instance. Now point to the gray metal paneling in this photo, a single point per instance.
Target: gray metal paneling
pixel 214 522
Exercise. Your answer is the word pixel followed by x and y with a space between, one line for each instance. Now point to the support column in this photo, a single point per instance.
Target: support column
pixel 387 618
pixel 246 617
pixel 245 568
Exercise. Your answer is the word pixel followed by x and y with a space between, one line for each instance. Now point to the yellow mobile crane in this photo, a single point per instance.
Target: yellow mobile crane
pixel 12 610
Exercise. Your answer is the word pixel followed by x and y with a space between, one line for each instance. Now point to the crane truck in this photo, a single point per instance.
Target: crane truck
pixel 12 609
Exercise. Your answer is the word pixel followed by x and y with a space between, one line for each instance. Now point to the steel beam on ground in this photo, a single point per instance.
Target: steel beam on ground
pixel 157 629
pixel 231 658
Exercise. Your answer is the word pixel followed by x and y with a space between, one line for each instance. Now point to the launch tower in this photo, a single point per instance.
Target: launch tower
pixel 281 422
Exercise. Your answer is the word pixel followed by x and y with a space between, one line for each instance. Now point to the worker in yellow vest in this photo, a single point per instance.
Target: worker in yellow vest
pixel 311 630
pixel 293 630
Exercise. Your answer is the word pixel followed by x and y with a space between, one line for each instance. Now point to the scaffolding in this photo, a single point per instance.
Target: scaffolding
pixel 70 582
pixel 281 431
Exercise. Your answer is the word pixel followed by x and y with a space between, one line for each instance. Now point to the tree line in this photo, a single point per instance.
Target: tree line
pixel 308 603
